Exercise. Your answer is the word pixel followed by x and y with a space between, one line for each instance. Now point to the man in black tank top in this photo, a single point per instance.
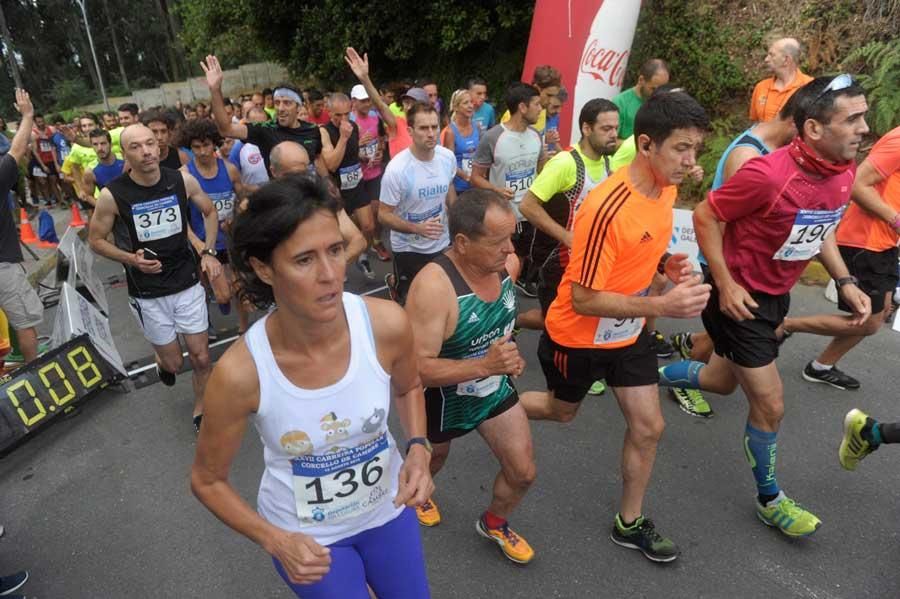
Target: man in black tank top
pixel 341 154
pixel 287 126
pixel 147 211
pixel 162 124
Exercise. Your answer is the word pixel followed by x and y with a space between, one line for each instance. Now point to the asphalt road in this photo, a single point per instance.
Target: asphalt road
pixel 98 506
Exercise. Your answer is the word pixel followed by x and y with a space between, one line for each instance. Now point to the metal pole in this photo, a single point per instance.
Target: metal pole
pixel 87 27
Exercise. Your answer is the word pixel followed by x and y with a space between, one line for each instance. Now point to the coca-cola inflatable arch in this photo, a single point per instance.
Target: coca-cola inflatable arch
pixel 589 41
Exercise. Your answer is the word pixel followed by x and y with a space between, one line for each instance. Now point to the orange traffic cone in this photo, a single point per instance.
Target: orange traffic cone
pixel 26 233
pixel 76 216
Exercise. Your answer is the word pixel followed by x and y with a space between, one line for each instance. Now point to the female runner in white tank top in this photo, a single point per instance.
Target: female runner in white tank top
pixel 316 376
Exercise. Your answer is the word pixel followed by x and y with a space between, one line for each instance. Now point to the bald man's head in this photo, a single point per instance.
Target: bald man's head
pixel 288 158
pixel 140 148
pixel 784 55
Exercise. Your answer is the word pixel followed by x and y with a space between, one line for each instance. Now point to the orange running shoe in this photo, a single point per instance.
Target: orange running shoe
pixel 514 546
pixel 428 513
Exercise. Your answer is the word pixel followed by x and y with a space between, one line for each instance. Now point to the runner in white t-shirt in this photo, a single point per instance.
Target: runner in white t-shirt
pixel 416 189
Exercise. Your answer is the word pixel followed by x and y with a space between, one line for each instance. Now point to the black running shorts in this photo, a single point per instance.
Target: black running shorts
pixel 876 271
pixel 749 343
pixel 570 372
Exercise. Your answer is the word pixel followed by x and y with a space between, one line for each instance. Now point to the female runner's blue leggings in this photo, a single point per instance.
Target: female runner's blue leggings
pixel 388 558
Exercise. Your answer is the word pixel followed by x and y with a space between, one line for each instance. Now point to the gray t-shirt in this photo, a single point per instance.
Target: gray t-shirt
pixel 513 157
pixel 418 191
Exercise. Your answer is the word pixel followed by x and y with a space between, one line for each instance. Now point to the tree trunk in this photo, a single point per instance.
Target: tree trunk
pixel 7 41
pixel 174 64
pixel 115 42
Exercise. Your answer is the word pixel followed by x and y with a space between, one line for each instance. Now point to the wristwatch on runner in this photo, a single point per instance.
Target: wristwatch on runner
pixel 208 252
pixel 418 441
pixel 847 280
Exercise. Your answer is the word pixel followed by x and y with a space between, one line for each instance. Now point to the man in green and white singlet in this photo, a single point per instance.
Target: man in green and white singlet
pixel 462 307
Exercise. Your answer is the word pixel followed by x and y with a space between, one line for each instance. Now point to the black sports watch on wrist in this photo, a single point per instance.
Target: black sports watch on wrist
pixel 418 441
pixel 209 252
pixel 847 280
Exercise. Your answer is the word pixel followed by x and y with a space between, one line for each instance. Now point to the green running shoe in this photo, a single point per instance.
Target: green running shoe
pixel 691 402
pixel 43 347
pixel 788 516
pixel 682 344
pixel 853 447
pixel 642 536
pixel 598 388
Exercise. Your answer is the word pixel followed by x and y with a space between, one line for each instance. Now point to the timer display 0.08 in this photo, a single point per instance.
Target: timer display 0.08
pixel 43 389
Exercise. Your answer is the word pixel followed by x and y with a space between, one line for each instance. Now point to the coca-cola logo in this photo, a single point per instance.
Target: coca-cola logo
pixel 604 64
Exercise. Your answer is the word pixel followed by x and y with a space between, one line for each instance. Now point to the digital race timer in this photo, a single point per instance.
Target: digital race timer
pixel 43 389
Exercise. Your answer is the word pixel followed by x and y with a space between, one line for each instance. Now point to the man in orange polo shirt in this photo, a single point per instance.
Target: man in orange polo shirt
pixel 595 329
pixel 770 95
pixel 867 239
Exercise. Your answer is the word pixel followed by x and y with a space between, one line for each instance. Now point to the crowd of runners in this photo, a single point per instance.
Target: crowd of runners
pixel 261 204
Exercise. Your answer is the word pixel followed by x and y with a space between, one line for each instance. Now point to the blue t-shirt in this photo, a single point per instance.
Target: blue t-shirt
pixel 62 147
pixel 485 117
pixel 552 125
pixel 104 173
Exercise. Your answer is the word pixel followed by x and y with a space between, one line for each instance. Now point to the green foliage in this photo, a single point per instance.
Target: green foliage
pixel 72 91
pixel 878 64
pixel 448 41
pixel 221 28
pixel 705 55
pixel 722 133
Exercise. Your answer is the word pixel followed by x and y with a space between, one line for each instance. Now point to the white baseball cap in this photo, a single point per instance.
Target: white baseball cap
pixel 359 92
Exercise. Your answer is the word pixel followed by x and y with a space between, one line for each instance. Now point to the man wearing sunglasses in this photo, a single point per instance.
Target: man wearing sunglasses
pixel 867 239
pixel 781 210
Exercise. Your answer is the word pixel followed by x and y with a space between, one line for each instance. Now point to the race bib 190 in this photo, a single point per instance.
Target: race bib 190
pixel 809 231
pixel 344 483
pixel 350 176
pixel 157 219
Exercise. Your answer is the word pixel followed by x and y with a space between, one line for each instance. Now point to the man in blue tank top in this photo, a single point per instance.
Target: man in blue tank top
pixel 109 166
pixel 462 307
pixel 221 181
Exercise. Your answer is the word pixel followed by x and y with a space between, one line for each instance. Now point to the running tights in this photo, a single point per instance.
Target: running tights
pixel 388 558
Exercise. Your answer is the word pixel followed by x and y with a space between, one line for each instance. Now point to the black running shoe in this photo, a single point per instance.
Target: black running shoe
pixel 659 345
pixel 833 377
pixel 166 378
pixel 642 536
pixel 528 288
pixel 10 583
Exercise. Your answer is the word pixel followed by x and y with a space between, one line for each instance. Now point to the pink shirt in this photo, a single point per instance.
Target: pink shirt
pixel 778 215
pixel 371 124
